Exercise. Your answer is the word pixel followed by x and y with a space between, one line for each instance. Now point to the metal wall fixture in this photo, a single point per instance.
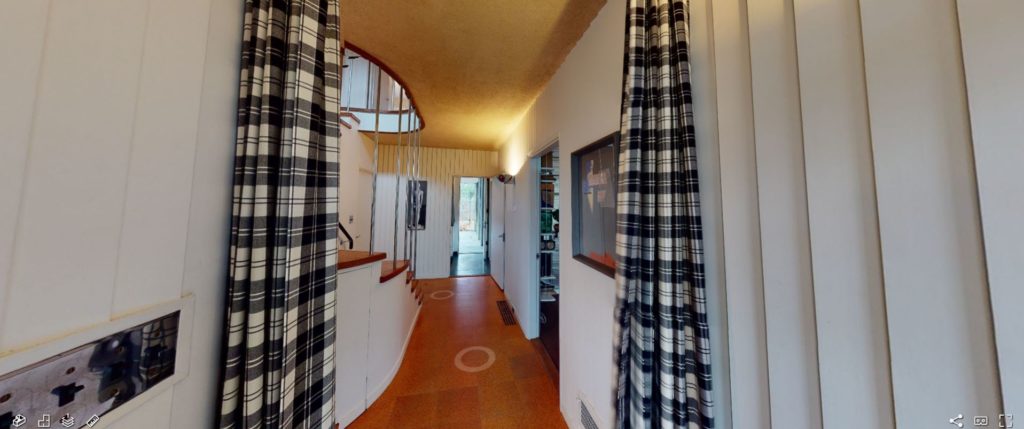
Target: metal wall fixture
pixel 77 387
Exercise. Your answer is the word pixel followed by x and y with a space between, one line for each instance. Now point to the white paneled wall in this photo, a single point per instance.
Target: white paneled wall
pixel 935 284
pixel 849 142
pixel 744 280
pixel 782 206
pixel 76 170
pixel 850 126
pixel 842 217
pixel 439 167
pixel 162 155
pixel 992 36
pixel 117 126
pixel 24 25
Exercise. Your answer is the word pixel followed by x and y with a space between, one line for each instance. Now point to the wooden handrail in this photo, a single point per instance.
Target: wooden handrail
pixel 391 269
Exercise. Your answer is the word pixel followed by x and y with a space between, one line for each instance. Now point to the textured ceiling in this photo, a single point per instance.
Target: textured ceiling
pixel 473 66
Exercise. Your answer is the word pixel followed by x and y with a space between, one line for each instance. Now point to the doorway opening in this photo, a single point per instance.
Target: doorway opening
pixel 470 227
pixel 547 243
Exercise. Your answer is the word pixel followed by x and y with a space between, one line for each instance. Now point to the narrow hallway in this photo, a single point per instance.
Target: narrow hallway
pixel 465 368
pixel 472 257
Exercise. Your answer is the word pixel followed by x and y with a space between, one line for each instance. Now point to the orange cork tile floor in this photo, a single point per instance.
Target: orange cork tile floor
pixel 503 381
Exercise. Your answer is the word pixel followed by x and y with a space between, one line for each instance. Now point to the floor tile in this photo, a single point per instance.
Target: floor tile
pixel 515 392
pixel 527 366
pixel 415 411
pixel 459 405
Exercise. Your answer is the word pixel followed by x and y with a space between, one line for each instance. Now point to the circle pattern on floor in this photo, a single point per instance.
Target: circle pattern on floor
pixel 466 368
pixel 441 294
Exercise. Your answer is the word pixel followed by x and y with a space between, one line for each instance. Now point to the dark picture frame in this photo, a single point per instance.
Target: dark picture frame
pixel 414 223
pixel 594 181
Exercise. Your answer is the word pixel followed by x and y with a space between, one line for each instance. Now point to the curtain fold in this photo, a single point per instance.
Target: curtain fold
pixel 663 348
pixel 278 357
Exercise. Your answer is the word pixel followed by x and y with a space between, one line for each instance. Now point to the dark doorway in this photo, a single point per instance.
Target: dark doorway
pixel 548 262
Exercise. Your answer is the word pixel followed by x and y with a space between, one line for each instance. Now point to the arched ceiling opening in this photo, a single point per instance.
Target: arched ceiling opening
pixel 473 66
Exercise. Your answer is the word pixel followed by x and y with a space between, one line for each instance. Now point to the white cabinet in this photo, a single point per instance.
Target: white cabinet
pixel 374 324
pixel 353 325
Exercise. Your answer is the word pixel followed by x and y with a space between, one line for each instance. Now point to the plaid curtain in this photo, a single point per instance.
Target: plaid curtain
pixel 663 351
pixel 278 360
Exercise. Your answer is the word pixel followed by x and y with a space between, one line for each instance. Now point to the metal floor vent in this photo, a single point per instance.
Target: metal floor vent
pixel 585 418
pixel 506 313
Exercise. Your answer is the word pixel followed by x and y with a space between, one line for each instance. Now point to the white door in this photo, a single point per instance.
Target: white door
pixel 497 232
pixel 456 204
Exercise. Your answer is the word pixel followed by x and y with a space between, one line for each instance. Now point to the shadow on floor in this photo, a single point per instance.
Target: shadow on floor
pixel 470 264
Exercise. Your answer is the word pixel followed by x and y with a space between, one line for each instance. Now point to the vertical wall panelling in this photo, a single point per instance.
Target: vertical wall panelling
pixel 848 224
pixel 702 75
pixel 19 82
pixel 74 193
pixel 850 308
pixel 782 205
pixel 150 263
pixel 354 301
pixel 992 36
pixel 439 167
pixel 740 225
pixel 940 331
pixel 209 220
pixel 116 159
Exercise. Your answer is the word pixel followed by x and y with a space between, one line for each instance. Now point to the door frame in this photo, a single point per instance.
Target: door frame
pixel 532 327
pixel 484 198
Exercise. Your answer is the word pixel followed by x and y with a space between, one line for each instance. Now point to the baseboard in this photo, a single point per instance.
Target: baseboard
pixel 372 396
pixel 350 416
pixel 549 364
pixel 499 285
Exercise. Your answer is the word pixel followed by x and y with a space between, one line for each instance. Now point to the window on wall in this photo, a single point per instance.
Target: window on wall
pixel 594 193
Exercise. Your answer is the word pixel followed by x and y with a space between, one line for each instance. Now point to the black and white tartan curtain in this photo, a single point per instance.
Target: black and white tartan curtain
pixel 664 355
pixel 278 368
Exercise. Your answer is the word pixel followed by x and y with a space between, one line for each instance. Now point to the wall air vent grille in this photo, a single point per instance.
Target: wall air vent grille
pixel 585 418
pixel 506 313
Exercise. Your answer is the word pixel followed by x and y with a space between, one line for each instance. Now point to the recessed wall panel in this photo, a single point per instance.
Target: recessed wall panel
pixel 992 37
pixel 853 346
pixel 65 262
pixel 936 289
pixel 740 222
pixel 151 258
pixel 782 203
pixel 19 80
